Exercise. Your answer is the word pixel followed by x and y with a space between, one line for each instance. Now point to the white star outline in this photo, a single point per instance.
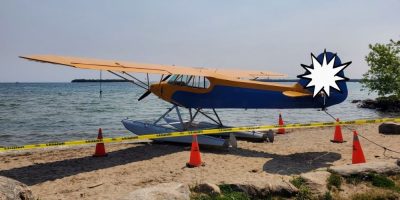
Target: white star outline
pixel 323 75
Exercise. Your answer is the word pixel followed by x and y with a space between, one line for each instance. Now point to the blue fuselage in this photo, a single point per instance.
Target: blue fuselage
pixel 235 97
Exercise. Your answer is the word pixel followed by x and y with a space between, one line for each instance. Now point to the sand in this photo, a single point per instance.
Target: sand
pixel 71 173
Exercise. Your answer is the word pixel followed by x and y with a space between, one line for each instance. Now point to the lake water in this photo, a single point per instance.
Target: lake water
pixel 44 112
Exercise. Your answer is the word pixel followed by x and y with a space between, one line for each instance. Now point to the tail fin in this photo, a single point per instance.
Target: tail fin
pixel 335 96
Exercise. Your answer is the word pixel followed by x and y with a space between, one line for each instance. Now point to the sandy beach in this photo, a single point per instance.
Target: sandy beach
pixel 72 173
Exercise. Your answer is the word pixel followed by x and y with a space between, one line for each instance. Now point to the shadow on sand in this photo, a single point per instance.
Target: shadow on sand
pixel 39 173
pixel 279 164
pixel 296 163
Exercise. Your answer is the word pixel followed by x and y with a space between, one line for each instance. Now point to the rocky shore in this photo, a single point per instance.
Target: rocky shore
pixel 380 180
pixel 384 104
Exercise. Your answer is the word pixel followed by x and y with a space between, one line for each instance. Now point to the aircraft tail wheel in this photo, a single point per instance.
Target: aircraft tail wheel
pixel 270 136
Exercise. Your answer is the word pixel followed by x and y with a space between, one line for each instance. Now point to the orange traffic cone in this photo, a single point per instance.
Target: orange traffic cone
pixel 195 158
pixel 337 137
pixel 100 149
pixel 281 123
pixel 358 155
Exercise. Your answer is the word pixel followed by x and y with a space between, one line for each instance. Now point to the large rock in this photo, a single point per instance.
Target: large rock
pixel 368 103
pixel 259 189
pixel 11 189
pixel 389 167
pixel 316 181
pixel 386 104
pixel 208 188
pixel 389 128
pixel 173 191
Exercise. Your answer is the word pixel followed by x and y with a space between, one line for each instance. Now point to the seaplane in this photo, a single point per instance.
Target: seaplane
pixel 204 90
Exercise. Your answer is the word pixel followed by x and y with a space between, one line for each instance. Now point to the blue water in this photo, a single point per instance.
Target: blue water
pixel 43 112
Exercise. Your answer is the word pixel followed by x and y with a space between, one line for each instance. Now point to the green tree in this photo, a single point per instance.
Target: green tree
pixel 384 73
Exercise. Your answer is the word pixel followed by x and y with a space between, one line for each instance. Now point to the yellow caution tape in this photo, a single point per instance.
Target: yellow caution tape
pixel 199 132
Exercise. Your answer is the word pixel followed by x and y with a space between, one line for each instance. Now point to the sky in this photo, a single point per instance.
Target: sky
pixel 261 35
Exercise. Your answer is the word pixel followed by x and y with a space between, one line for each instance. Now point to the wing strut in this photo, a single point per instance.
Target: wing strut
pixel 148 84
pixel 139 85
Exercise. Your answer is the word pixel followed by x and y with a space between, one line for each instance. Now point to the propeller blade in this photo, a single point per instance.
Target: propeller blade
pixel 165 78
pixel 144 95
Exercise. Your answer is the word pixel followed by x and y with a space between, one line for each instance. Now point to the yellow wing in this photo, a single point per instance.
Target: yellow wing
pixel 250 74
pixel 122 66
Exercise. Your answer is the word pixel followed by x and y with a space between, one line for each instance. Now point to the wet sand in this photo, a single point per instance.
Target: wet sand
pixel 71 173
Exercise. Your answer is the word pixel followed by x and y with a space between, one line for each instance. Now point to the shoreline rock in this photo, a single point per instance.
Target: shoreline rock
pixel 389 128
pixel 12 189
pixel 207 188
pixel 264 189
pixel 173 190
pixel 384 104
pixel 365 168
pixel 316 181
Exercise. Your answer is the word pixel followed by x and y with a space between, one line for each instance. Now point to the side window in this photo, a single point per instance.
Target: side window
pixel 178 80
pixel 198 82
pixel 206 82
pixel 190 81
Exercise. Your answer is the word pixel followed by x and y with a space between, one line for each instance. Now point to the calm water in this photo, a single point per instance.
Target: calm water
pixel 42 112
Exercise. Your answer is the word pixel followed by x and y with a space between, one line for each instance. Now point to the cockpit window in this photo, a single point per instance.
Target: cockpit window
pixel 189 81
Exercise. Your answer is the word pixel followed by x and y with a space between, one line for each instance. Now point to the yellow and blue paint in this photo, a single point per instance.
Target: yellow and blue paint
pixel 248 94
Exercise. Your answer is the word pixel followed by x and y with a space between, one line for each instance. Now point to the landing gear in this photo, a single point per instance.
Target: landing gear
pixel 185 125
pixel 214 121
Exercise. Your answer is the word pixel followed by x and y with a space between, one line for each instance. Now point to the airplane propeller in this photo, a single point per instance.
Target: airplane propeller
pixel 144 95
